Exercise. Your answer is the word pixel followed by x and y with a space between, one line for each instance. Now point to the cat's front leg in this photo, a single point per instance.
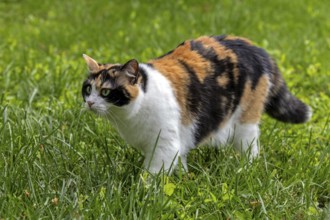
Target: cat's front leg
pixel 162 157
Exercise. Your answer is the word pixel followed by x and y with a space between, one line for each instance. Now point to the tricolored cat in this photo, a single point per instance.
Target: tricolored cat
pixel 210 90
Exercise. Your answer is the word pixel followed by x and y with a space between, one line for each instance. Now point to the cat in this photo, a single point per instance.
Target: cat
pixel 211 90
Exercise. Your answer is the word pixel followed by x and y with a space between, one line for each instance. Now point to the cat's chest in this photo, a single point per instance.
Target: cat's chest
pixel 151 117
pixel 141 131
pixel 144 129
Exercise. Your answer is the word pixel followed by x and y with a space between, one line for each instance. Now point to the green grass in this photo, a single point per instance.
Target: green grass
pixel 58 161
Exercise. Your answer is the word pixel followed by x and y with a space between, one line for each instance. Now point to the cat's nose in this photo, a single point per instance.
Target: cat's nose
pixel 90 103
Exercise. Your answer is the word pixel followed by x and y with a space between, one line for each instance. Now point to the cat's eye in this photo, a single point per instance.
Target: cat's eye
pixel 88 90
pixel 105 92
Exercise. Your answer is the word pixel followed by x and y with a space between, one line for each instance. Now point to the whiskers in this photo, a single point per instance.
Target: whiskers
pixel 100 111
pixel 105 112
pixel 112 118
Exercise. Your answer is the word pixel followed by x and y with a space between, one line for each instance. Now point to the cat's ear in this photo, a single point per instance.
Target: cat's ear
pixel 131 69
pixel 93 66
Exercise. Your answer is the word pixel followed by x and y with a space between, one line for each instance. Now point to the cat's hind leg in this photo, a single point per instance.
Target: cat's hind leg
pixel 251 106
pixel 243 136
pixel 246 137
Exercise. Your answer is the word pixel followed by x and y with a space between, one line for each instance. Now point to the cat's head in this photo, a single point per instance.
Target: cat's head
pixel 110 85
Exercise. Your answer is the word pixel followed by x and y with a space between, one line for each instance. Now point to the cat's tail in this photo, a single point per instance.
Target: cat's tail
pixel 285 107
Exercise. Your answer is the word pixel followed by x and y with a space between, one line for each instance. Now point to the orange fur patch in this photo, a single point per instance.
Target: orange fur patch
pixel 201 66
pixel 222 52
pixel 133 91
pixel 253 101
pixel 179 79
pixel 223 80
pixel 194 60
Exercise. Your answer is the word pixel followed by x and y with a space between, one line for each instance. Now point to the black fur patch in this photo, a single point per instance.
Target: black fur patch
pixel 209 111
pixel 207 53
pixel 252 61
pixel 83 89
pixel 212 112
pixel 144 79
pixel 118 96
pixel 285 107
pixel 194 90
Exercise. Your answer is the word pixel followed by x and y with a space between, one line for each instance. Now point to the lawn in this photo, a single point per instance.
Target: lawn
pixel 58 161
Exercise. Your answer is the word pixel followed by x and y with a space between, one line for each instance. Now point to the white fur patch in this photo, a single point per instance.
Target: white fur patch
pixel 99 106
pixel 243 136
pixel 309 113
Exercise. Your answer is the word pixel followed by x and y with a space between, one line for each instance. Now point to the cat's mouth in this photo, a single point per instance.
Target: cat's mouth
pixel 96 109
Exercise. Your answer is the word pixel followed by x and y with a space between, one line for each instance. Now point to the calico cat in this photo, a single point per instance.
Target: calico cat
pixel 210 90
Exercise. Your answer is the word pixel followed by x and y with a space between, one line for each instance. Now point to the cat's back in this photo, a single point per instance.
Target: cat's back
pixel 212 55
pixel 210 74
pixel 196 56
